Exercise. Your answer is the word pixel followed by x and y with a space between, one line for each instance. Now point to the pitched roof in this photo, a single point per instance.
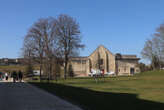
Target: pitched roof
pixel 98 48
pixel 130 57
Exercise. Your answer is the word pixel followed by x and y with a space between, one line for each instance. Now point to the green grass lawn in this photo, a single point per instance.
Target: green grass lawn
pixel 142 91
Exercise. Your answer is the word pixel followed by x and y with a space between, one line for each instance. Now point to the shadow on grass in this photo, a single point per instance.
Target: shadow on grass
pixel 94 100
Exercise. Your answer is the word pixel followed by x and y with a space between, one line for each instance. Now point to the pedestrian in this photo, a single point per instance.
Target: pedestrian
pixel 20 76
pixel 14 75
pixel 17 77
pixel 1 75
pixel 6 76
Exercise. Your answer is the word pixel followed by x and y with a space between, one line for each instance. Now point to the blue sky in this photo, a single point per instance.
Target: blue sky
pixel 122 26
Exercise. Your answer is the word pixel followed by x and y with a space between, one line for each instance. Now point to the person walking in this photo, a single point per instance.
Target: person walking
pixel 6 76
pixel 14 75
pixel 0 75
pixel 20 76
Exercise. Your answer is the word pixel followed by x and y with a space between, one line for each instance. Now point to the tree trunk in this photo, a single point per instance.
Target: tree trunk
pixel 40 72
pixel 65 70
pixel 50 69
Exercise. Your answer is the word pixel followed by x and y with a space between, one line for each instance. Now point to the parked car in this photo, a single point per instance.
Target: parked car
pixel 110 73
pixel 36 72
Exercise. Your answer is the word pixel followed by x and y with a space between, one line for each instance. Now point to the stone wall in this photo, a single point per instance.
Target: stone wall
pixel 106 58
pixel 79 67
pixel 124 66
pixel 103 59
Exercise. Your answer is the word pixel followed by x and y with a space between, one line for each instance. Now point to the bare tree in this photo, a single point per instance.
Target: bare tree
pixel 28 50
pixel 28 54
pixel 69 38
pixel 35 33
pixel 159 42
pixel 51 38
pixel 154 48
pixel 42 36
pixel 150 52
pixel 147 51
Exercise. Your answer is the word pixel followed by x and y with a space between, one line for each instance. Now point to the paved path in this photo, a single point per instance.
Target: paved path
pixel 23 96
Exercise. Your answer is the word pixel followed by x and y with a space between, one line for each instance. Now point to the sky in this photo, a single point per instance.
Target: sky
pixel 122 26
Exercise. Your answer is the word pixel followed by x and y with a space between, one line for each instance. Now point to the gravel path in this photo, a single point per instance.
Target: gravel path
pixel 23 96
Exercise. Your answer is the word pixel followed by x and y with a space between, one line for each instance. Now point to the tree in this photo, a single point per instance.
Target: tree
pixel 56 69
pixel 69 38
pixel 33 43
pixel 150 52
pixel 28 53
pixel 50 39
pixel 70 71
pixel 154 48
pixel 29 70
pixel 143 67
pixel 42 38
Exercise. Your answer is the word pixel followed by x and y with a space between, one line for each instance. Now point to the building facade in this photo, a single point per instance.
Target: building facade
pixel 8 61
pixel 102 59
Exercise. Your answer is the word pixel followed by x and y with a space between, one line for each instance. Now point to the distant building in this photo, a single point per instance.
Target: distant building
pixel 8 61
pixel 106 61
pixel 101 59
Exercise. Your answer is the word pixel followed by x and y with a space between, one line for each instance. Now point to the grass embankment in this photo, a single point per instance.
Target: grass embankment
pixel 142 91
pixel 10 68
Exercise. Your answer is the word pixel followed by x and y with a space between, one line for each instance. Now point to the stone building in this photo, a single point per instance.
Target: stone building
pixel 106 61
pixel 9 61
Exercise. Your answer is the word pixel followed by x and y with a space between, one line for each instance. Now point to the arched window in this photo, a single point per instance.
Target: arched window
pixel 101 61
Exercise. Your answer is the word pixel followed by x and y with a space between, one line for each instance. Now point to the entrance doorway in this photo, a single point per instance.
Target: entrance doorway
pixel 131 70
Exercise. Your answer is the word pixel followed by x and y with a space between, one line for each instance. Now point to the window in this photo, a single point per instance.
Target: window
pixel 101 61
pixel 83 62
pixel 125 69
pixel 137 70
